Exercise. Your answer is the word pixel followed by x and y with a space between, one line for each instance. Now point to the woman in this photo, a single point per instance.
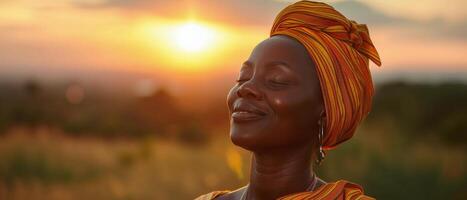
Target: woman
pixel 302 91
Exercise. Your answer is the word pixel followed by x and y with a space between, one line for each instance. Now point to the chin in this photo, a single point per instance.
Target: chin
pixel 241 140
pixel 245 140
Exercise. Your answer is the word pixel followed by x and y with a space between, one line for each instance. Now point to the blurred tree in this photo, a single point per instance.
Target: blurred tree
pixel 32 88
pixel 422 110
pixel 158 112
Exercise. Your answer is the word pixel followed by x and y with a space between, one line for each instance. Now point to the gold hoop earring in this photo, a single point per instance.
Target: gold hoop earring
pixel 321 153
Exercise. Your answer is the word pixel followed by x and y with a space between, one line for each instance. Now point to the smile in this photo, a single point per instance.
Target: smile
pixel 243 116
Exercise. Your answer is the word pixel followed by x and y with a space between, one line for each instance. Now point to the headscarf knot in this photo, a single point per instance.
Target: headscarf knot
pixel 354 35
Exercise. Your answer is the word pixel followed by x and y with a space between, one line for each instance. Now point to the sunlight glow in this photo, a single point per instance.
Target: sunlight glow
pixel 189 46
pixel 193 37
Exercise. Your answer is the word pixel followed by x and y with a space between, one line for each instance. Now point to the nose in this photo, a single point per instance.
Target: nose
pixel 249 89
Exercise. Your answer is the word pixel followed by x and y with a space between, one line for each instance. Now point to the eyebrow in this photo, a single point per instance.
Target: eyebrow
pixel 270 64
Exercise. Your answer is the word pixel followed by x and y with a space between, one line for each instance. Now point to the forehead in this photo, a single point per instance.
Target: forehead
pixel 282 49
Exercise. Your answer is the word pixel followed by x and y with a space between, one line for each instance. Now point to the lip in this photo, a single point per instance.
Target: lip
pixel 244 112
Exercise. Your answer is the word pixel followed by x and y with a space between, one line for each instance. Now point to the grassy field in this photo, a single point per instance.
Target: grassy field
pixel 44 163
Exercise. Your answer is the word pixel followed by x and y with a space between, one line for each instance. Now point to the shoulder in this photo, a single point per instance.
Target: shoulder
pixel 350 191
pixel 223 195
pixel 212 195
pixel 336 190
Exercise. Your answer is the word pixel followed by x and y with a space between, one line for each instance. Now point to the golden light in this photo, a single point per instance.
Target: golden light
pixel 183 46
pixel 191 46
pixel 193 37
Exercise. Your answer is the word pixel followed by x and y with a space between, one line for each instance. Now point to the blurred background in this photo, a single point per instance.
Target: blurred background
pixel 125 99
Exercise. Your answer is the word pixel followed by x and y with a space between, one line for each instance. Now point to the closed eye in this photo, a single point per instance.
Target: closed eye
pixel 276 85
pixel 279 82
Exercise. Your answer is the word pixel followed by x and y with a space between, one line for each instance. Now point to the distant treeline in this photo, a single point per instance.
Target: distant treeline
pixel 90 112
pixel 424 110
pixel 418 109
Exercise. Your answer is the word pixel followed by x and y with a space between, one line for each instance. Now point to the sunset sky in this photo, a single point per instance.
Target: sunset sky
pixel 92 38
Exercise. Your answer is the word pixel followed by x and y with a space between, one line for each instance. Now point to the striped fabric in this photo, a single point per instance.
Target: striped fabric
pixel 341 50
pixel 212 195
pixel 340 190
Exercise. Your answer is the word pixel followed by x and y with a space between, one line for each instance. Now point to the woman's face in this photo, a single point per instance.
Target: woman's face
pixel 277 100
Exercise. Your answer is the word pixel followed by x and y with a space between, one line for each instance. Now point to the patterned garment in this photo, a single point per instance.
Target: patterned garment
pixel 341 50
pixel 340 190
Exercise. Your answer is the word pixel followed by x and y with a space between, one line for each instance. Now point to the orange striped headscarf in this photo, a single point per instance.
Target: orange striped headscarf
pixel 340 49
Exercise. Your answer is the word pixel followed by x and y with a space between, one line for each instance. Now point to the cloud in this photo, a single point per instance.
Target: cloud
pixel 363 13
pixel 262 13
pixel 63 35
pixel 244 12
pixel 435 27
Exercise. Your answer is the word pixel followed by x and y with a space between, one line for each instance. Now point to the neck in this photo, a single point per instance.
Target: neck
pixel 276 174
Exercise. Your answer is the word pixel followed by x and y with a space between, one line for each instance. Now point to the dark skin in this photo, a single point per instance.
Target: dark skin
pixel 276 109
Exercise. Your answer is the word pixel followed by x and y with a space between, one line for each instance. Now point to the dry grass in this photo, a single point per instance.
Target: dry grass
pixel 48 165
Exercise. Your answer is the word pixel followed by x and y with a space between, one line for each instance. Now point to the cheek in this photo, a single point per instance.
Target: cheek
pixel 278 102
pixel 286 104
pixel 291 116
pixel 295 110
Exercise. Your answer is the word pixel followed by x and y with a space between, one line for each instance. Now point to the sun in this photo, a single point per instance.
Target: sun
pixel 182 45
pixel 193 37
